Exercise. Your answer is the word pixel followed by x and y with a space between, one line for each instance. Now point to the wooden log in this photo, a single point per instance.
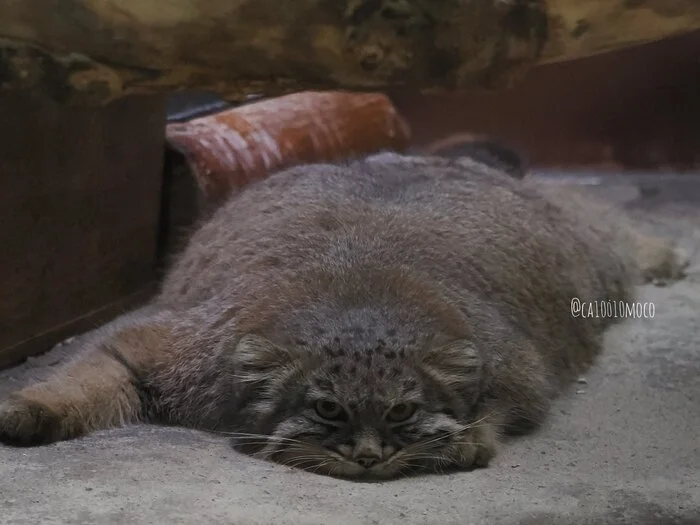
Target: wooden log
pixel 93 51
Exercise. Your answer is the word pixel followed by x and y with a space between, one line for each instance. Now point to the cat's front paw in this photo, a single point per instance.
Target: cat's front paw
pixel 661 262
pixel 474 448
pixel 473 455
pixel 24 422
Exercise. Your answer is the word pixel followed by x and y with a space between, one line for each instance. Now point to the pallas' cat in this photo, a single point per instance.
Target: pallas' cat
pixel 371 319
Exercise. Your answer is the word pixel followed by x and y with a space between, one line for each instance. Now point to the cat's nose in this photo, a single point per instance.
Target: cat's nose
pixel 368 461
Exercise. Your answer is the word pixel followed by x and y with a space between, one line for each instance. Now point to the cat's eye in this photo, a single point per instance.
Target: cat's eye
pixel 330 410
pixel 401 412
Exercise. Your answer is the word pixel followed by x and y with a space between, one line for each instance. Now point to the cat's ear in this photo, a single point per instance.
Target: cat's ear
pixel 457 364
pixel 257 359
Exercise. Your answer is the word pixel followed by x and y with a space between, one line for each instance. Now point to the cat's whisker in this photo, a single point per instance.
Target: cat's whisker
pixel 333 468
pixel 406 469
pixel 314 461
pixel 311 456
pixel 438 438
pixel 293 461
pixel 300 463
pixel 492 417
pixel 266 437
pixel 422 445
pixel 322 465
pixel 254 443
pixel 422 456
pixel 413 465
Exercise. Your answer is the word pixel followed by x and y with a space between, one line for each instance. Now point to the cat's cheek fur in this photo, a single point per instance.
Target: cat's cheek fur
pixel 270 378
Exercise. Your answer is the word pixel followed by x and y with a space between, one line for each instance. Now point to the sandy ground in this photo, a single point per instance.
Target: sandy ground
pixel 622 448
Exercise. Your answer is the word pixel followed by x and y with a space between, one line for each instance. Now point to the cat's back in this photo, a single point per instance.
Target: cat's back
pixel 461 224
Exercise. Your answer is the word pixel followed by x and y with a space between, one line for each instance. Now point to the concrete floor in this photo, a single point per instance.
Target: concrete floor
pixel 623 448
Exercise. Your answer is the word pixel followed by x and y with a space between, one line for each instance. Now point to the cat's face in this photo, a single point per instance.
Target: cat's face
pixel 371 413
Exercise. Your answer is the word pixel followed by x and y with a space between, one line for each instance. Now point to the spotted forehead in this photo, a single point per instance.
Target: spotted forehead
pixel 359 375
pixel 354 329
pixel 366 353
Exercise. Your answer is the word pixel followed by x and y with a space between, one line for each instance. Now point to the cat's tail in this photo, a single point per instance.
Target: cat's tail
pixel 101 387
pixel 647 256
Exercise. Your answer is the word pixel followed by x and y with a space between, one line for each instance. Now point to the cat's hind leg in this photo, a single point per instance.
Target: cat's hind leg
pixel 101 387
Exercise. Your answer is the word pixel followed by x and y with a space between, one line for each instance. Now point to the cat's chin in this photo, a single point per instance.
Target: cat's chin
pixel 329 463
pixel 351 471
pixel 336 466
pixel 467 451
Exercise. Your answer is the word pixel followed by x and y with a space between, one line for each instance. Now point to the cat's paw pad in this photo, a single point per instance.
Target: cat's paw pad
pixel 24 422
